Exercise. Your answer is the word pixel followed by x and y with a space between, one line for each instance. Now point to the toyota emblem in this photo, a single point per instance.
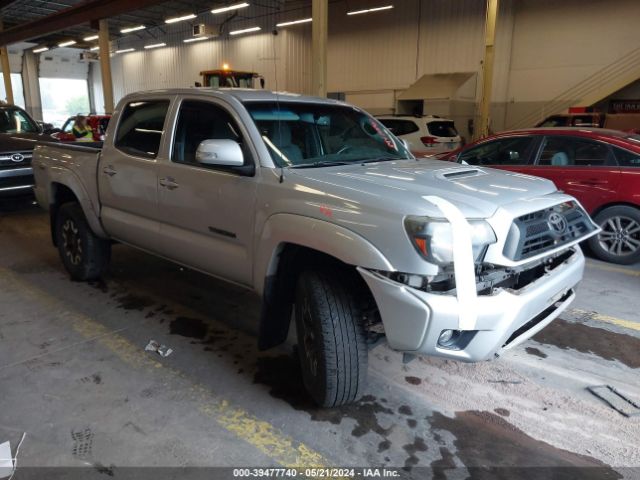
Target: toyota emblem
pixel 17 157
pixel 557 223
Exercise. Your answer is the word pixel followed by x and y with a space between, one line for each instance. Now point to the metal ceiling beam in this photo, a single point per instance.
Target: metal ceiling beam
pixel 69 17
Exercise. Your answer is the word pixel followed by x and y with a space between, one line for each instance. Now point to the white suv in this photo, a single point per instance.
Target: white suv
pixel 428 134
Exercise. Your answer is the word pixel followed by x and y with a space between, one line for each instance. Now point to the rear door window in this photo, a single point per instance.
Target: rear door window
pixel 442 129
pixel 574 152
pixel 400 127
pixel 626 158
pixel 506 151
pixel 141 127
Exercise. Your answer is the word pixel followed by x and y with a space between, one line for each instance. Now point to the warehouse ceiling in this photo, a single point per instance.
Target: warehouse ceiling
pixel 20 12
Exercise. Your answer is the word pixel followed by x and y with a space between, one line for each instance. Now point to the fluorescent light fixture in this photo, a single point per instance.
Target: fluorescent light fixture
pixel 133 29
pixel 237 6
pixel 41 49
pixel 67 44
pixel 369 10
pixel 180 19
pixel 195 39
pixel 245 30
pixel 294 22
pixel 90 38
pixel 155 45
pixel 93 49
pixel 126 50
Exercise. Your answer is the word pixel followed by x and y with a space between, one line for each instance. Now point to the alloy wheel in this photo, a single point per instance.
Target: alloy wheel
pixel 620 236
pixel 72 243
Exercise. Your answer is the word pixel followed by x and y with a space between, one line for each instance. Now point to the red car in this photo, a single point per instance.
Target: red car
pixel 601 168
pixel 98 124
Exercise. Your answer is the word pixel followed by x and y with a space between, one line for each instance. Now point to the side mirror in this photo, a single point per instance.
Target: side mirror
pixel 220 152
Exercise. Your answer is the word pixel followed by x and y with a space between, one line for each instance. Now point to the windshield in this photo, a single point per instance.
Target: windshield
pixel 13 120
pixel 310 134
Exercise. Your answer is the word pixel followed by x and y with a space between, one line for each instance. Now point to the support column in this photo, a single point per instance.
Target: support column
pixel 487 69
pixel 105 66
pixel 319 35
pixel 6 70
pixel 32 99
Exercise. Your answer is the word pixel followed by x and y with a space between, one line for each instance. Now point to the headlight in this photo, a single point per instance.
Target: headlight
pixel 433 238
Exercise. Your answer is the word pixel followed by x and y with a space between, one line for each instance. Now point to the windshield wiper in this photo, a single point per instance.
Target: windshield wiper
pixel 381 159
pixel 320 164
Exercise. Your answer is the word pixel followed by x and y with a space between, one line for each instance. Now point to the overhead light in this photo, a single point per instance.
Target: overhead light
pixel 89 39
pixel 67 44
pixel 126 50
pixel 41 49
pixel 93 49
pixel 133 29
pixel 195 39
pixel 180 19
pixel 237 6
pixel 369 10
pixel 245 30
pixel 155 45
pixel 294 22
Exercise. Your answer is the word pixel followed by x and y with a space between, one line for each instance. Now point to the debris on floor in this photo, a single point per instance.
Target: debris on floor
pixel 616 400
pixel 162 350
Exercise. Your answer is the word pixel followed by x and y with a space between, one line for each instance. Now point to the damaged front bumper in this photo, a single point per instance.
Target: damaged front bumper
pixel 414 320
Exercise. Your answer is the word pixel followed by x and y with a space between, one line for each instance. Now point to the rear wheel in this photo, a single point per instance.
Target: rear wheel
pixel 84 255
pixel 331 341
pixel 619 241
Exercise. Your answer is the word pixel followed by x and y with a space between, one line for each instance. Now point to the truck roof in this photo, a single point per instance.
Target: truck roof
pixel 241 94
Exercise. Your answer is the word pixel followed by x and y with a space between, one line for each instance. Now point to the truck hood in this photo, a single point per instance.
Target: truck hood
pixel 400 186
pixel 21 142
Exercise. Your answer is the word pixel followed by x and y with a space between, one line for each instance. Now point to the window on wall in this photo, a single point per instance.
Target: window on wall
pixel 62 98
pixel 16 86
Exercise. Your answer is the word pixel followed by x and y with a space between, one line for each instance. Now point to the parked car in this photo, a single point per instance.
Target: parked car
pixel 18 135
pixel 316 207
pixel 601 168
pixel 98 124
pixel 428 135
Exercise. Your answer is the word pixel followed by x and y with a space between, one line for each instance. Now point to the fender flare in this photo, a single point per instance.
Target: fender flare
pixel 325 237
pixel 69 180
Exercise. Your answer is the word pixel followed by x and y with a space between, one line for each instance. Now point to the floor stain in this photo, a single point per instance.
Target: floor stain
pixel 536 352
pixel 188 327
pixel 405 410
pixel 598 341
pixel 134 302
pixel 502 411
pixel 412 449
pixel 413 380
pixel 439 467
pixel 489 447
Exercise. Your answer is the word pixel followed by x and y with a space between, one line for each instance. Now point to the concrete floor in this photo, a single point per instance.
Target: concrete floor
pixel 75 377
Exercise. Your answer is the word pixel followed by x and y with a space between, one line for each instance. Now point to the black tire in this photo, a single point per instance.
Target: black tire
pixel 619 241
pixel 332 346
pixel 85 256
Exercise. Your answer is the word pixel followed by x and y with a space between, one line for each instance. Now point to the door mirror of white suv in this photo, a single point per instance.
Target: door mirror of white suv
pixel 220 152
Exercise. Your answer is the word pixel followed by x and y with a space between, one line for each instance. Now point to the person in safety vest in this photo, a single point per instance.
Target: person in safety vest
pixel 81 130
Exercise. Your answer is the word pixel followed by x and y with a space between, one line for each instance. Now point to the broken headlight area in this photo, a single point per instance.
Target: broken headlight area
pixel 489 277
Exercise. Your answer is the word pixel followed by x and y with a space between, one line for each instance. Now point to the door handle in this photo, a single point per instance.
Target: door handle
pixel 109 170
pixel 169 183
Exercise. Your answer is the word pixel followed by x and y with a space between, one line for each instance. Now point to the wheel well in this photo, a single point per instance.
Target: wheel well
pixel 279 289
pixel 61 195
pixel 617 204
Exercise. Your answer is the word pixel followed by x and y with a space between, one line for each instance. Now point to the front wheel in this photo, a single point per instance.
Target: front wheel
pixel 331 340
pixel 619 241
pixel 84 255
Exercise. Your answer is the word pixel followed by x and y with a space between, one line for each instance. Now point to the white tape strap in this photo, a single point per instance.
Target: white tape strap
pixel 463 262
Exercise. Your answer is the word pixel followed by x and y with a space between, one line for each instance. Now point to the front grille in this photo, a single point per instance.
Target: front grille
pixel 15 159
pixel 10 184
pixel 544 230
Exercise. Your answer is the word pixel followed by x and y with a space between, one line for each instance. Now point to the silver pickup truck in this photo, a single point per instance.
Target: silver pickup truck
pixel 319 209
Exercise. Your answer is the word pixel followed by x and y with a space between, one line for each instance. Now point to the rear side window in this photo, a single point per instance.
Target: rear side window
pixel 141 126
pixel 578 152
pixel 507 151
pixel 400 127
pixel 626 158
pixel 442 129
